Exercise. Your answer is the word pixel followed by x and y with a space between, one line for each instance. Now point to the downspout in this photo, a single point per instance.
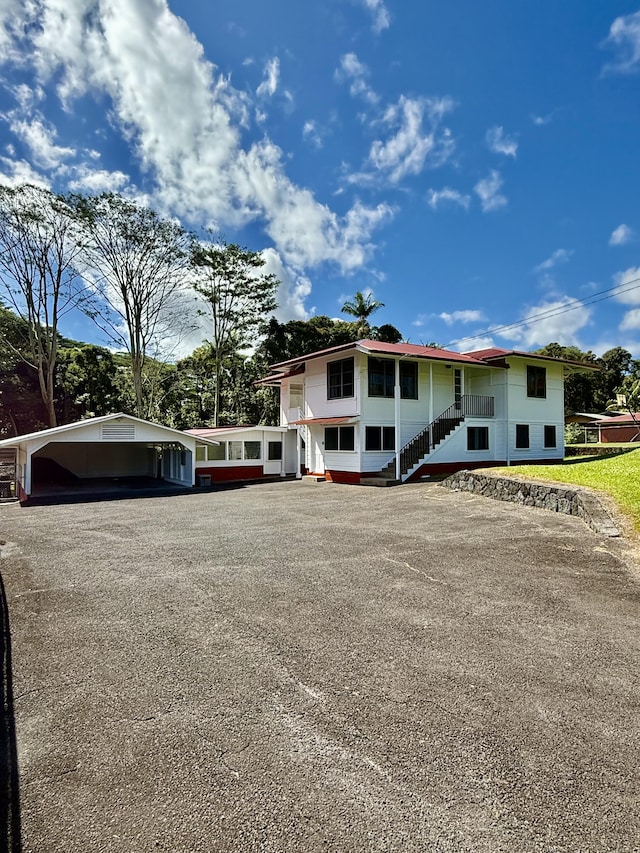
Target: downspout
pixel 396 396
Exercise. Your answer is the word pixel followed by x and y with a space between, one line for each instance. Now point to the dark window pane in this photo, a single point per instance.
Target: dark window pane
pixel 536 381
pixel 275 450
pixel 331 438
pixel 347 438
pixel 372 438
pixel 340 379
pixel 522 436
pixel 550 436
pixel 409 380
pixel 388 438
pixel 381 377
pixel 477 438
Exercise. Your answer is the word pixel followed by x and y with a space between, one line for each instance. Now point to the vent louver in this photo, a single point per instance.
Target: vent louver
pixel 118 432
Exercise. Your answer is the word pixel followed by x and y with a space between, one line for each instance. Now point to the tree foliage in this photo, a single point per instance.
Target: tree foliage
pixel 238 300
pixel 362 307
pixel 38 275
pixel 137 263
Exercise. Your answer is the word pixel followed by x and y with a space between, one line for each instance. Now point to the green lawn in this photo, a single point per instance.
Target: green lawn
pixel 617 475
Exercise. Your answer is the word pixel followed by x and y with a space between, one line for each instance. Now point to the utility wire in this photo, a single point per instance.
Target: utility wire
pixel 600 296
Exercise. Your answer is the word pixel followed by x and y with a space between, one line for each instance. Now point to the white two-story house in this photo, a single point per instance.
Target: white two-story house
pixel 408 411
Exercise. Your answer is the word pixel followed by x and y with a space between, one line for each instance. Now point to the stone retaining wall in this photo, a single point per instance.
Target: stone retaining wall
pixel 570 501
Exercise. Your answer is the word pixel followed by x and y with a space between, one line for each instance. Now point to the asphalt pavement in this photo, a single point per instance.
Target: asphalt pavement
pixel 295 667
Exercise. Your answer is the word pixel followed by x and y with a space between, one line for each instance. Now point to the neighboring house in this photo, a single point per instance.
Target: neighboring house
pixel 111 447
pixel 408 411
pixel 618 428
pixel 244 453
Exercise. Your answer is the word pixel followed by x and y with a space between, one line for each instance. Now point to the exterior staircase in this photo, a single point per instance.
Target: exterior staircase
pixel 414 451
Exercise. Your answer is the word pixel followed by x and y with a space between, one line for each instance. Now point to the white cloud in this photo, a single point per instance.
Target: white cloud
pixel 540 121
pixel 39 137
pixel 311 133
pixel 436 197
pixel 183 120
pixel 624 39
pixel 465 316
pixel 356 72
pixel 631 320
pixel 628 286
pixel 269 85
pixel 381 18
pixel 488 190
pixel 97 180
pixel 621 235
pixel 406 150
pixel 472 344
pixel 560 256
pixel 501 144
pixel 15 172
pixel 557 320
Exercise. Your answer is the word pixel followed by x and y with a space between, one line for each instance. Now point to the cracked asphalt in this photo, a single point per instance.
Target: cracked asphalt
pixel 294 667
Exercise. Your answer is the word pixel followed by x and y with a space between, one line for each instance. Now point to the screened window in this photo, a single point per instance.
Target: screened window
pixel 340 379
pixel 409 380
pixel 536 381
pixel 216 452
pixel 381 377
pixel 550 436
pixel 201 451
pixel 252 450
pixel 274 451
pixel 339 438
pixel 477 438
pixel 379 438
pixel 235 450
pixel 522 436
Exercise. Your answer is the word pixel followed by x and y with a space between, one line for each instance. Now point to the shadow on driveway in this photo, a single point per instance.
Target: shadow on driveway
pixel 9 790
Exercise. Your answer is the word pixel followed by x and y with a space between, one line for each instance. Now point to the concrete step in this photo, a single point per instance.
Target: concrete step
pixel 314 478
pixel 379 481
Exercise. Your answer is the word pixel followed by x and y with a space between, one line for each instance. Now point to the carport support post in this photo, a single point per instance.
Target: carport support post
pixel 396 395
pixel 298 454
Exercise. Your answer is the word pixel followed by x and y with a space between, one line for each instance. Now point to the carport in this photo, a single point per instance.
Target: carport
pixel 102 454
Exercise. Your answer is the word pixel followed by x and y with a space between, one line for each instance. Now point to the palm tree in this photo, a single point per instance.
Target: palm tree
pixel 362 307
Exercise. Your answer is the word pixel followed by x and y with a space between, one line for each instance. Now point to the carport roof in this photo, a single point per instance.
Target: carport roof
pixel 52 432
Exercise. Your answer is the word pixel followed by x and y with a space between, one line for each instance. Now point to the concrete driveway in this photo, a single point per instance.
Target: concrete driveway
pixel 293 667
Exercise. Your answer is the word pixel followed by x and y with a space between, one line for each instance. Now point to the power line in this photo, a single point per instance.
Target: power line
pixel 600 296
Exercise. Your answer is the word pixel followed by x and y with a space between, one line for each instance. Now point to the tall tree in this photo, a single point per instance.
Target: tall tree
pixel 38 275
pixel 137 263
pixel 239 300
pixel 362 307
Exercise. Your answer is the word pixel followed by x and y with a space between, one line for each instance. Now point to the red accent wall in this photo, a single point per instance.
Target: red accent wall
pixel 237 472
pixel 618 433
pixel 350 477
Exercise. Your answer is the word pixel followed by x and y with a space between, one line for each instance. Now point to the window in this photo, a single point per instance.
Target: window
pixel 235 450
pixel 252 450
pixel 536 381
pixel 379 438
pixel 381 377
pixel 550 436
pixel 522 436
pixel 339 438
pixel 216 452
pixel 409 380
pixel 200 453
pixel 340 379
pixel 477 438
pixel 457 386
pixel 274 451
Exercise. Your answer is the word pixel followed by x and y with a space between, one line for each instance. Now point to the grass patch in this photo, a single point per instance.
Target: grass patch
pixel 618 476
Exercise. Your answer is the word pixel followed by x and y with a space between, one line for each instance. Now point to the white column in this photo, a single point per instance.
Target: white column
pixel 430 392
pixel 396 395
pixel 298 455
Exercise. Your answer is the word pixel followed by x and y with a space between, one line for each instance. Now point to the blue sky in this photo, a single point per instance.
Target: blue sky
pixel 471 164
